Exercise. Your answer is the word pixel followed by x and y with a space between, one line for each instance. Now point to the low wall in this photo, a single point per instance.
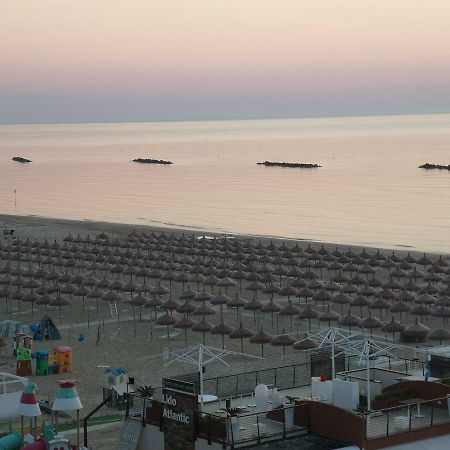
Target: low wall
pixel 411 436
pixel 329 421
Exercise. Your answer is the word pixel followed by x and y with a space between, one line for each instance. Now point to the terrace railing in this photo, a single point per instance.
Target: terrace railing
pixel 413 416
pixel 246 427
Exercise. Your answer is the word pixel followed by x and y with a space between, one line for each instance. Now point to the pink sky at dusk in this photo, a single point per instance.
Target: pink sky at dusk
pixel 61 52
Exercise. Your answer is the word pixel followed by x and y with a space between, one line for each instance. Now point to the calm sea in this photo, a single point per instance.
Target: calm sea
pixel 369 190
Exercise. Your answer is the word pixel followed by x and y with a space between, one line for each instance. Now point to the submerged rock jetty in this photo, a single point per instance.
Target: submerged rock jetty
pixel 20 159
pixel 151 161
pixel 434 166
pixel 287 164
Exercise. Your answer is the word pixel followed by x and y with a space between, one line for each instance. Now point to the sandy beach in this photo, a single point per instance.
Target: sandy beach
pixel 138 343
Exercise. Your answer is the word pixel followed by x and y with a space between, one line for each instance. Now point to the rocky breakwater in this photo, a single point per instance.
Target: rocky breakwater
pixel 151 161
pixel 429 166
pixel 288 164
pixel 19 159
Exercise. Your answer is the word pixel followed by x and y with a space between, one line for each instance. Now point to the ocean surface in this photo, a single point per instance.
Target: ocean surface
pixel 369 190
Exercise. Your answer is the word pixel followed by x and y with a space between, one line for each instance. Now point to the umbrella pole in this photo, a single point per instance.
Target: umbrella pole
pixel 223 341
pixel 262 350
pixel 134 320
pixel 185 337
pixel 118 320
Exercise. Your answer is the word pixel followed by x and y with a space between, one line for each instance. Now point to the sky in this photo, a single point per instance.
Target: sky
pixel 151 60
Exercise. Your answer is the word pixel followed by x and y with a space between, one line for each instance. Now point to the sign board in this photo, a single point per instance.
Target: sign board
pixel 179 405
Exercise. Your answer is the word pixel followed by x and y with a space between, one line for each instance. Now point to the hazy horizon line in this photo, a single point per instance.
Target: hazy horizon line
pixel 230 119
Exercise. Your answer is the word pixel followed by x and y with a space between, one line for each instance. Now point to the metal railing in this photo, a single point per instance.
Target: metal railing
pixel 245 427
pixel 284 377
pixel 251 427
pixel 412 416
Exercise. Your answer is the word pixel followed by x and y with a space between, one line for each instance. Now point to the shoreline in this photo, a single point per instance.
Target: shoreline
pixel 85 226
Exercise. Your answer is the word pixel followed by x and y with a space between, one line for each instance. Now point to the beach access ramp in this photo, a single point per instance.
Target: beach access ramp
pixel 131 430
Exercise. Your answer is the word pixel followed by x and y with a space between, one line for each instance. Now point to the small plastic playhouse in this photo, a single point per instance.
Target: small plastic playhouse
pixel 60 360
pixel 22 352
pixel 118 385
pixel 41 357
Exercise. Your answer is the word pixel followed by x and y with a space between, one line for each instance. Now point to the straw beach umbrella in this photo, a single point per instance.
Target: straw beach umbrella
pixel 223 329
pixel 241 333
pixel 283 340
pixel 261 338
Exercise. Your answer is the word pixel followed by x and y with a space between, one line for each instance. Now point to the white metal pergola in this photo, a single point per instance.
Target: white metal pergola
pixel 200 356
pixel 359 344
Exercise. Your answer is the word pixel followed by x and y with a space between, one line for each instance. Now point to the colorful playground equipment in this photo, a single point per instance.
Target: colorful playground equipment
pixel 60 360
pixel 41 357
pixel 11 387
pixel 28 406
pixel 12 441
pixel 45 330
pixel 22 352
pixel 118 385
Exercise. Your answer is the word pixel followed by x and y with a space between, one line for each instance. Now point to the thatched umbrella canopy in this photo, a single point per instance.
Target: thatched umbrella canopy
pixel 306 344
pixel 82 291
pixel 425 299
pixel 332 286
pixel 223 329
pixel 440 334
pixel 32 298
pixel 226 283
pixel 237 302
pixel 322 296
pixel 442 311
pixel 170 305
pixel 288 291
pixel 255 286
pixel 242 333
pixel 380 303
pixel 60 301
pixel 203 327
pixel 211 281
pixel 283 340
pixel 188 294
pixel 400 307
pixel 371 323
pixel 417 332
pixel 202 296
pixel 270 307
pixel 308 313
pixel 270 289
pixel 289 310
pixel 341 299
pixel 366 291
pixel 204 310
pixel 95 293
pixel 444 300
pixel 186 308
pixel 261 338
pixel 184 324
pixel 393 327
pixel 349 321
pixel 167 320
pixel 44 299
pixel 420 310
pixel 140 300
pixel 406 296
pixel 329 316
